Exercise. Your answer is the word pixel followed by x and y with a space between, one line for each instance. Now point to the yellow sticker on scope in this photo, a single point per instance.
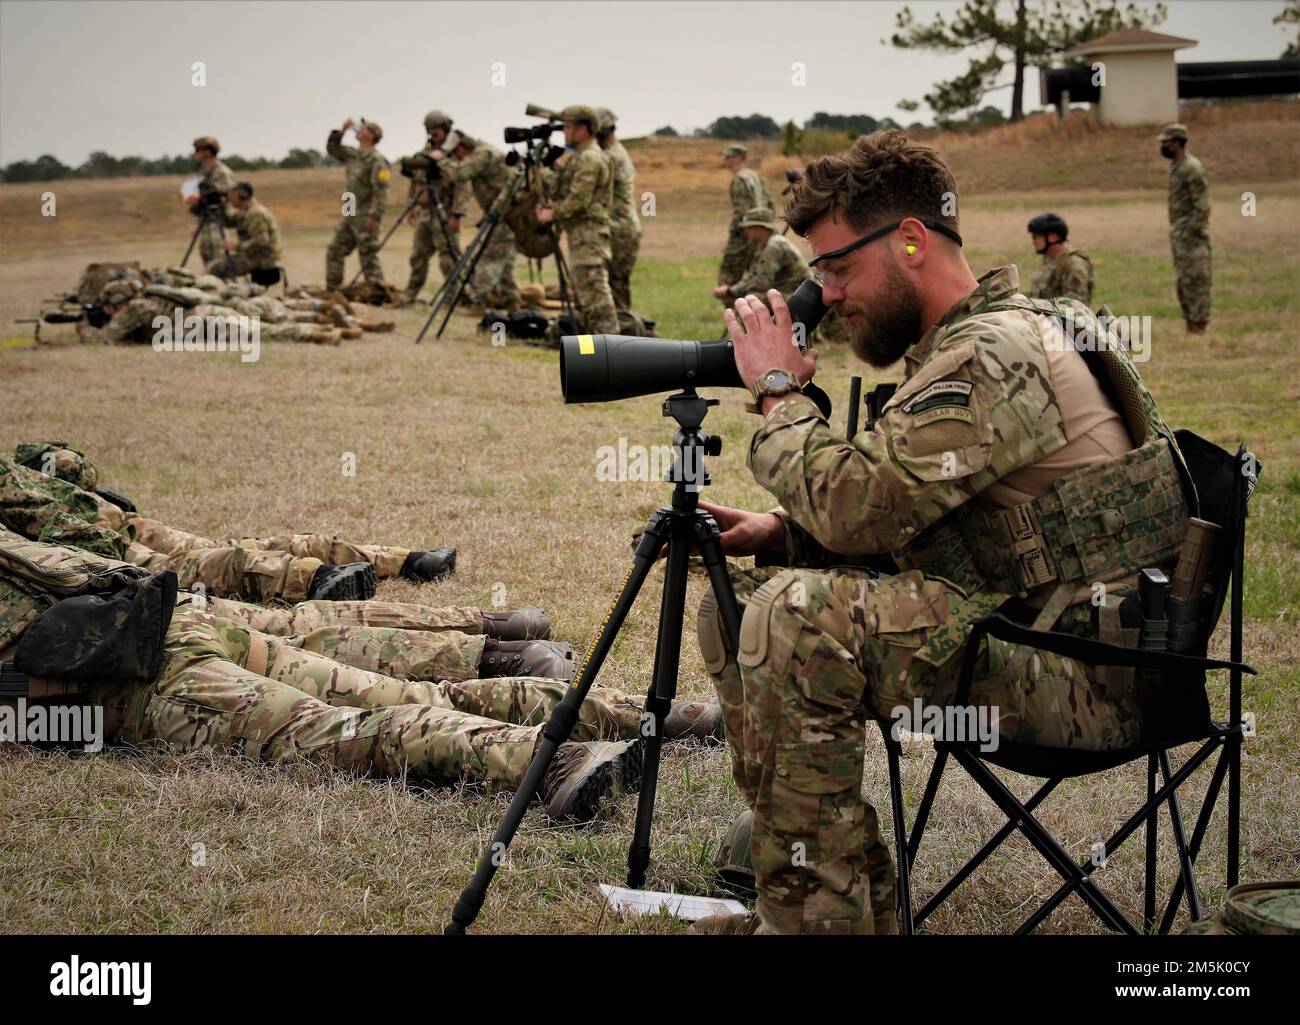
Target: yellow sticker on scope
pixel 586 345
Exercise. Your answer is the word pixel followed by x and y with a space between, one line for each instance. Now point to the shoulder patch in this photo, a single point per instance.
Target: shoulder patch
pixel 936 413
pixel 949 392
pixel 383 174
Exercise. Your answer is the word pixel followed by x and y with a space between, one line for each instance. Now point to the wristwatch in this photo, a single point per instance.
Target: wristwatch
pixel 773 383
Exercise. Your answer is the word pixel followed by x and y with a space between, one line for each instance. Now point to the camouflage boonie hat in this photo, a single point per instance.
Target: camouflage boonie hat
pixel 734 869
pixel 759 217
pixel 605 119
pixel 118 291
pixel 437 119
pixel 736 150
pixel 207 142
pixel 1173 133
pixel 375 130
pixel 578 113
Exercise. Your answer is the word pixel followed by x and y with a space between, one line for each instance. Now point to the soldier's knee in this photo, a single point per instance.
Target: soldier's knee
pixel 765 633
pixel 708 625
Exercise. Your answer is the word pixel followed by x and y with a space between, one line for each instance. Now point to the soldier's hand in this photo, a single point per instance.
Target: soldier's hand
pixel 231 245
pixel 348 124
pixel 411 218
pixel 545 215
pixel 453 223
pixel 370 224
pixel 747 533
pixel 765 341
pixel 191 200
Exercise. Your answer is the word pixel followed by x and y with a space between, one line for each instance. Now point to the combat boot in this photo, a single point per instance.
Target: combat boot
pixel 545 659
pixel 697 720
pixel 355 581
pixel 520 625
pixel 584 777
pixel 435 564
pixel 404 300
pixel 332 336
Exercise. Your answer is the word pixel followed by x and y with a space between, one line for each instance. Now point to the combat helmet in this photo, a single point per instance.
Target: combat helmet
pixel 1049 224
pixel 437 119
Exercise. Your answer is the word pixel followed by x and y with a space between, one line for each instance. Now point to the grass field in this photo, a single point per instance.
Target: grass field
pixel 458 442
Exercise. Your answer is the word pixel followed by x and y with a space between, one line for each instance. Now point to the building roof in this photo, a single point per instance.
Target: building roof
pixel 1131 40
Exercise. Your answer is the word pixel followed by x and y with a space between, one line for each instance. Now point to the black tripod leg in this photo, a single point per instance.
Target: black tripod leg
pixel 477 244
pixel 194 239
pixel 465 279
pixel 558 727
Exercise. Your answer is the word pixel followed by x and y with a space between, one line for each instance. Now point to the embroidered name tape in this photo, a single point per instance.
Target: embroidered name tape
pixel 945 388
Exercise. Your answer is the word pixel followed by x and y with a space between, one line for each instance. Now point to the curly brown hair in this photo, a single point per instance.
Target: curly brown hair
pixel 881 178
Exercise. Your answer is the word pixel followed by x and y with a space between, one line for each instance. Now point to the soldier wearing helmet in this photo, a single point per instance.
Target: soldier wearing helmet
pixel 432 235
pixel 1066 273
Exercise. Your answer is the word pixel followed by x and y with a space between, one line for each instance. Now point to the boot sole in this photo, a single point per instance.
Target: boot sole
pixel 358 583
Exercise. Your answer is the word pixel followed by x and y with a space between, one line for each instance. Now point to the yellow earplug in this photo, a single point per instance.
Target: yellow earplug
pixel 911 249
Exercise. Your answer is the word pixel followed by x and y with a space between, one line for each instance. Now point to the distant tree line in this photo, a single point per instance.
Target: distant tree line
pixel 102 165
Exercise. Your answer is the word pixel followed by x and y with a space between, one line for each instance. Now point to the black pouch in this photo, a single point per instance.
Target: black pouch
pixel 114 638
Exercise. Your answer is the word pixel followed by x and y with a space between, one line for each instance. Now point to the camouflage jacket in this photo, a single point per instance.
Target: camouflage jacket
pixel 133 322
pixel 1067 275
pixel 367 176
pixel 976 404
pixel 1189 200
pixel 259 237
pixel 49 509
pixel 622 214
pixel 218 176
pixel 747 192
pixel 484 171
pixel 778 264
pixel 452 193
pixel 583 189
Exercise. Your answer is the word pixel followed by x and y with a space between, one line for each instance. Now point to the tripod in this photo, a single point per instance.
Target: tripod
pixel 436 203
pixel 461 275
pixel 209 213
pixel 681 527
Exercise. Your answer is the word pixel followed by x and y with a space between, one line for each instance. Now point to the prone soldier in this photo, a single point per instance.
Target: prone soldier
pixel 366 190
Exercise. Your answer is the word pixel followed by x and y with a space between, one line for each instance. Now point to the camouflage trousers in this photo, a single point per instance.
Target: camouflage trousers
pixel 349 235
pixel 821 653
pixel 257 569
pixel 494 276
pixel 624 245
pixel 228 687
pixel 430 238
pixel 1192 275
pixel 737 255
pixel 589 272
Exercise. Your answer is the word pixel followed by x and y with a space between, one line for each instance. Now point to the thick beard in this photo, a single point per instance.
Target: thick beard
pixel 892 323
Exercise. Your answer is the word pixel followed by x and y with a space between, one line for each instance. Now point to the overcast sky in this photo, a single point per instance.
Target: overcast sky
pixel 77 77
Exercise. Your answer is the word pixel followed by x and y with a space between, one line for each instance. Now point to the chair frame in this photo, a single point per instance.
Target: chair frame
pixel 1162 783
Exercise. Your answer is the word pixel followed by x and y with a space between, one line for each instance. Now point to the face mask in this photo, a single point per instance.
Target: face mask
pixel 1166 151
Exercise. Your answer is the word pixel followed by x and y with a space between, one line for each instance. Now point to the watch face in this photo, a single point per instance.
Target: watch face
pixel 776 379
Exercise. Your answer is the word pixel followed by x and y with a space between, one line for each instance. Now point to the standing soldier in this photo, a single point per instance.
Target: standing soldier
pixel 582 191
pixel 481 167
pixel 625 225
pixel 366 189
pixel 258 245
pixel 1189 227
pixel 1065 272
pixel 747 192
pixel 430 235
pixel 215 176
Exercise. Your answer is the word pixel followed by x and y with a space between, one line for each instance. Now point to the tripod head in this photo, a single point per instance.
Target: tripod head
pixel 690 445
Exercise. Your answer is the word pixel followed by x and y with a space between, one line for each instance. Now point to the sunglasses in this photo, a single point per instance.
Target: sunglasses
pixel 836 278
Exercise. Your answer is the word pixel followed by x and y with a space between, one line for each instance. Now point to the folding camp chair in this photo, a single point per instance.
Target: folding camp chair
pixel 1224 485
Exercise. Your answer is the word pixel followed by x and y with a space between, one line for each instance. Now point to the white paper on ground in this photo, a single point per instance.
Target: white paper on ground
pixel 683 905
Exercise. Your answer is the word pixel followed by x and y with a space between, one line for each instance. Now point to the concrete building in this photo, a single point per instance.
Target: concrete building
pixel 1136 76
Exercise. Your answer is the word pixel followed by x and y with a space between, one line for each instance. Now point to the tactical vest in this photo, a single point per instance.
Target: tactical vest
pixel 1099 524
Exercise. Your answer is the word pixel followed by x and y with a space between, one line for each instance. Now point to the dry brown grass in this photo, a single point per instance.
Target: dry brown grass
pixel 460 443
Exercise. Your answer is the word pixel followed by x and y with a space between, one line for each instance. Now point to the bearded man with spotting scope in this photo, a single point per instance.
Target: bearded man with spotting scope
pixel 948 506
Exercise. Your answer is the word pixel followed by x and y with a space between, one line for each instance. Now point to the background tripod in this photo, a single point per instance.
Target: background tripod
pixel 681 527
pixel 210 213
pixel 434 202
pixel 454 286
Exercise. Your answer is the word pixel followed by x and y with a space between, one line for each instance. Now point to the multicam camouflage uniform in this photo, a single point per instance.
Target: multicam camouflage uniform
pixel 138 320
pixel 259 569
pixel 1067 275
pixel 367 180
pixel 823 650
pixel 624 225
pixel 581 198
pixel 747 192
pixel 1189 237
pixel 222 178
pixel 259 242
pixel 224 685
pixel 484 170
pixel 430 235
